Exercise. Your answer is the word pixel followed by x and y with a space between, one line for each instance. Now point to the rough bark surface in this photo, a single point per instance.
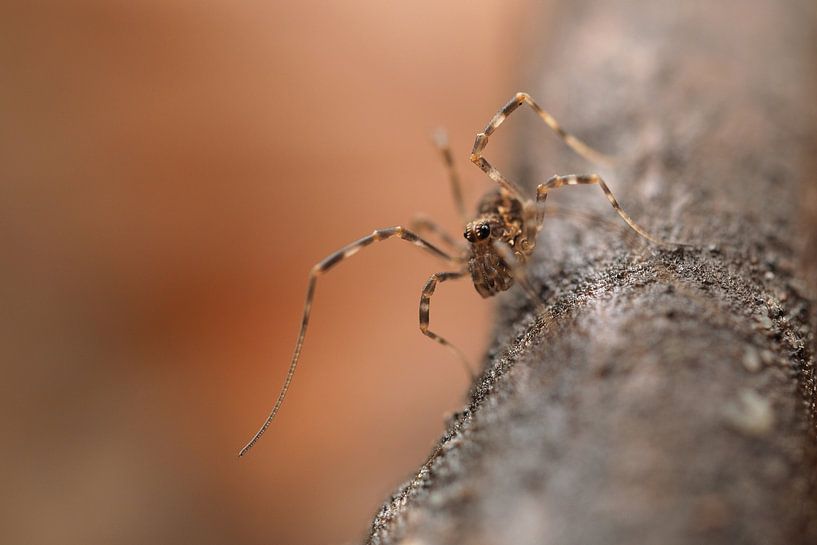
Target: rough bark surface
pixel 667 396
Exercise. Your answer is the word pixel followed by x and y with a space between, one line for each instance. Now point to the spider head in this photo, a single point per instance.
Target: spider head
pixel 480 230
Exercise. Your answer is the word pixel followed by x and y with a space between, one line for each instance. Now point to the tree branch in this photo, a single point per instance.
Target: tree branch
pixel 668 395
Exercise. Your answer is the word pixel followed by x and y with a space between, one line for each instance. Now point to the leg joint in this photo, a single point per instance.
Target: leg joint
pixel 479 145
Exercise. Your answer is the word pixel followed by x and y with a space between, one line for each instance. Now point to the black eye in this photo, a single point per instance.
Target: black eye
pixel 483 231
pixel 469 236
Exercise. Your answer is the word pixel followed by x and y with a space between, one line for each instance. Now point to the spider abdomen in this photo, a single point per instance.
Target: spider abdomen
pixel 489 273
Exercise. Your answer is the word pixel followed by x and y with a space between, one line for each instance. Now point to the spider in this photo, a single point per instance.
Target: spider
pixel 500 239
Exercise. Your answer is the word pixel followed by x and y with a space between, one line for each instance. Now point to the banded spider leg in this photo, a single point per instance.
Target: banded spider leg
pixel 574 143
pixel 327 264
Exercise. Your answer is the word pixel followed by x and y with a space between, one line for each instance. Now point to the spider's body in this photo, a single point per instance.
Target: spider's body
pixel 500 239
pixel 500 221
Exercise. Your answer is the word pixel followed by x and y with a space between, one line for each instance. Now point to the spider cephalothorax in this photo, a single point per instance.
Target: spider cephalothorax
pixel 500 238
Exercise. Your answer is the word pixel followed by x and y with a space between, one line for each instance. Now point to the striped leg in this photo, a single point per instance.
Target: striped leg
pixel 421 224
pixel 319 269
pixel 534 216
pixel 441 141
pixel 425 300
pixel 594 179
pixel 519 99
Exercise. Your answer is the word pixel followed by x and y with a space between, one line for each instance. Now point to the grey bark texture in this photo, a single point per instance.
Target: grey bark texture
pixel 667 395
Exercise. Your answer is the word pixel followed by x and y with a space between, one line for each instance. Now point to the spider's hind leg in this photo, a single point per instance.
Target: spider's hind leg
pixel 594 179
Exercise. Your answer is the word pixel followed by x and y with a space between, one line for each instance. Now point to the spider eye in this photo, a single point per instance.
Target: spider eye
pixel 483 231
pixel 469 235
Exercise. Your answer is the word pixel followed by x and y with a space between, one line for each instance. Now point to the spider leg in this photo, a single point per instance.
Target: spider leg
pixel 594 179
pixel 519 99
pixel 441 141
pixel 517 271
pixel 320 268
pixel 591 219
pixel 533 218
pixel 421 224
pixel 425 300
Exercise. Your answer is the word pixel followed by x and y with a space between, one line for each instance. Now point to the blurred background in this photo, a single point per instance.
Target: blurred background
pixel 170 172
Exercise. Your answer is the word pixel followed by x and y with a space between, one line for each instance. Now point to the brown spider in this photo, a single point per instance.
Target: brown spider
pixel 500 239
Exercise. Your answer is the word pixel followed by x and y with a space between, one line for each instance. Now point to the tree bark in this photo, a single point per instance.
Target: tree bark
pixel 667 395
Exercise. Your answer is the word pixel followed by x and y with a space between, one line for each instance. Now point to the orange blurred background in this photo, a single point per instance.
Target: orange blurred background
pixel 170 172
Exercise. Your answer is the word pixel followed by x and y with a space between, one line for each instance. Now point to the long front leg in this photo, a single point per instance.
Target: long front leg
pixel 320 268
